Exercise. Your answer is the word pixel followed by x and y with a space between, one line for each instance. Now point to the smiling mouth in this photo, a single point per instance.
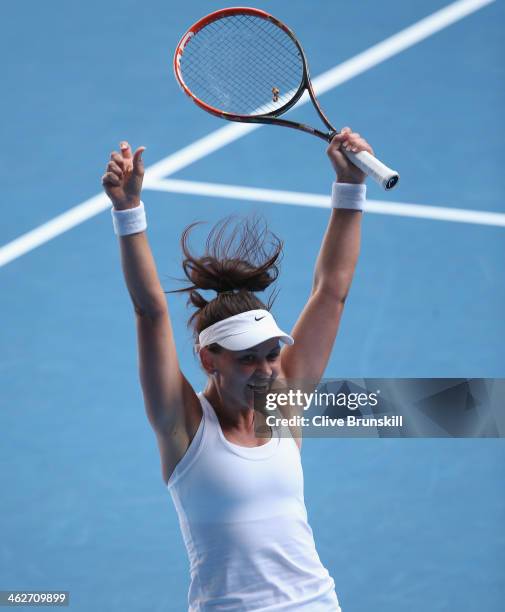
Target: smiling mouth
pixel 260 388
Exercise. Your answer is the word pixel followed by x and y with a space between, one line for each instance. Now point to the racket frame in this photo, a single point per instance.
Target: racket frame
pixel 273 116
pixel 362 159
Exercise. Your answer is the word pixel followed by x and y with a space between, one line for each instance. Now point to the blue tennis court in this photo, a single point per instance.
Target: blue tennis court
pixel 401 525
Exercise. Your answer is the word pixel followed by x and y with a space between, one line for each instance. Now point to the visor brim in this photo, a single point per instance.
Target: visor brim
pixel 241 342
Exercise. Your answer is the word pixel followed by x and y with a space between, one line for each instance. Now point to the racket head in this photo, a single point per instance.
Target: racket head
pixel 225 65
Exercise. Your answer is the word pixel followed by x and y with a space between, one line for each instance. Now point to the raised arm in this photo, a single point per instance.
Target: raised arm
pixel 171 404
pixel 317 326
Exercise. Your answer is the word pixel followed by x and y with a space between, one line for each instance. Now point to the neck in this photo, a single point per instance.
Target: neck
pixel 231 414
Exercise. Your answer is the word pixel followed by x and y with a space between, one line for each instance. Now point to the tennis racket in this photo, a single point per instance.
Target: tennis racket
pixel 242 64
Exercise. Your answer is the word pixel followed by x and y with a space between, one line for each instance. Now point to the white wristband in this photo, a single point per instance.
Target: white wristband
pixel 129 221
pixel 348 195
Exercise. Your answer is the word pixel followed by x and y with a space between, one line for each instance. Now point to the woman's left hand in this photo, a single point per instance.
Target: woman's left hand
pixel 347 140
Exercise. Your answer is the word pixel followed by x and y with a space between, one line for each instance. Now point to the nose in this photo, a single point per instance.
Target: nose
pixel 264 369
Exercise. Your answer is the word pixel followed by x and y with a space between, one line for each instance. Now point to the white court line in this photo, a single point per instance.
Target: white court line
pixel 223 136
pixel 275 196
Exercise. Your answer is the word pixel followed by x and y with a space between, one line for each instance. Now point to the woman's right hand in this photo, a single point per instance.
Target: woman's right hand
pixel 347 140
pixel 123 177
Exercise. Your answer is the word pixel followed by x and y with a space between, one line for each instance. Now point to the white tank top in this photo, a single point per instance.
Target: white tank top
pixel 244 523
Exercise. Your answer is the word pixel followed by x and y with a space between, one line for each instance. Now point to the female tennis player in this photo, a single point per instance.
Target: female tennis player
pixel 239 496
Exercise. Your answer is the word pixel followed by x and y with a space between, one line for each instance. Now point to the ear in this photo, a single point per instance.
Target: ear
pixel 208 360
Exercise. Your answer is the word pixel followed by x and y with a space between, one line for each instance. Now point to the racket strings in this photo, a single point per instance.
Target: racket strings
pixel 229 47
pixel 279 49
pixel 243 65
pixel 267 34
pixel 272 36
pixel 236 80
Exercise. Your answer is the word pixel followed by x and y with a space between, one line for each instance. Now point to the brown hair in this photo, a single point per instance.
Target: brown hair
pixel 241 257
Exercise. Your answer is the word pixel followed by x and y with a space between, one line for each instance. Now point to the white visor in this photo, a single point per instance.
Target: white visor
pixel 243 331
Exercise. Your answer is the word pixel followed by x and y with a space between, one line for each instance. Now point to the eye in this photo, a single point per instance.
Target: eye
pixel 274 356
pixel 247 359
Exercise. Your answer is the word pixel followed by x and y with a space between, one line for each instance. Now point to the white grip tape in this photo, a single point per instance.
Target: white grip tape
pixel 386 177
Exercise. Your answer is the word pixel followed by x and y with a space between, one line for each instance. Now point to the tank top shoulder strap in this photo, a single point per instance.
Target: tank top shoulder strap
pixel 208 414
pixel 196 445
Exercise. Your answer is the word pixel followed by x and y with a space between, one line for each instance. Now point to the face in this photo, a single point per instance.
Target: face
pixel 241 374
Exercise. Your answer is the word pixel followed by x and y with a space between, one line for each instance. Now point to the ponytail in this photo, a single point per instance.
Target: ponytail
pixel 241 257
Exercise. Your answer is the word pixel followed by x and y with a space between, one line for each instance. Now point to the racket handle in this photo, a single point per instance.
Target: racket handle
pixel 374 168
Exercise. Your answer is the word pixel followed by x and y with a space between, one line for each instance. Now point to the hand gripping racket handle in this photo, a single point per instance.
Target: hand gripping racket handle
pixel 374 168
